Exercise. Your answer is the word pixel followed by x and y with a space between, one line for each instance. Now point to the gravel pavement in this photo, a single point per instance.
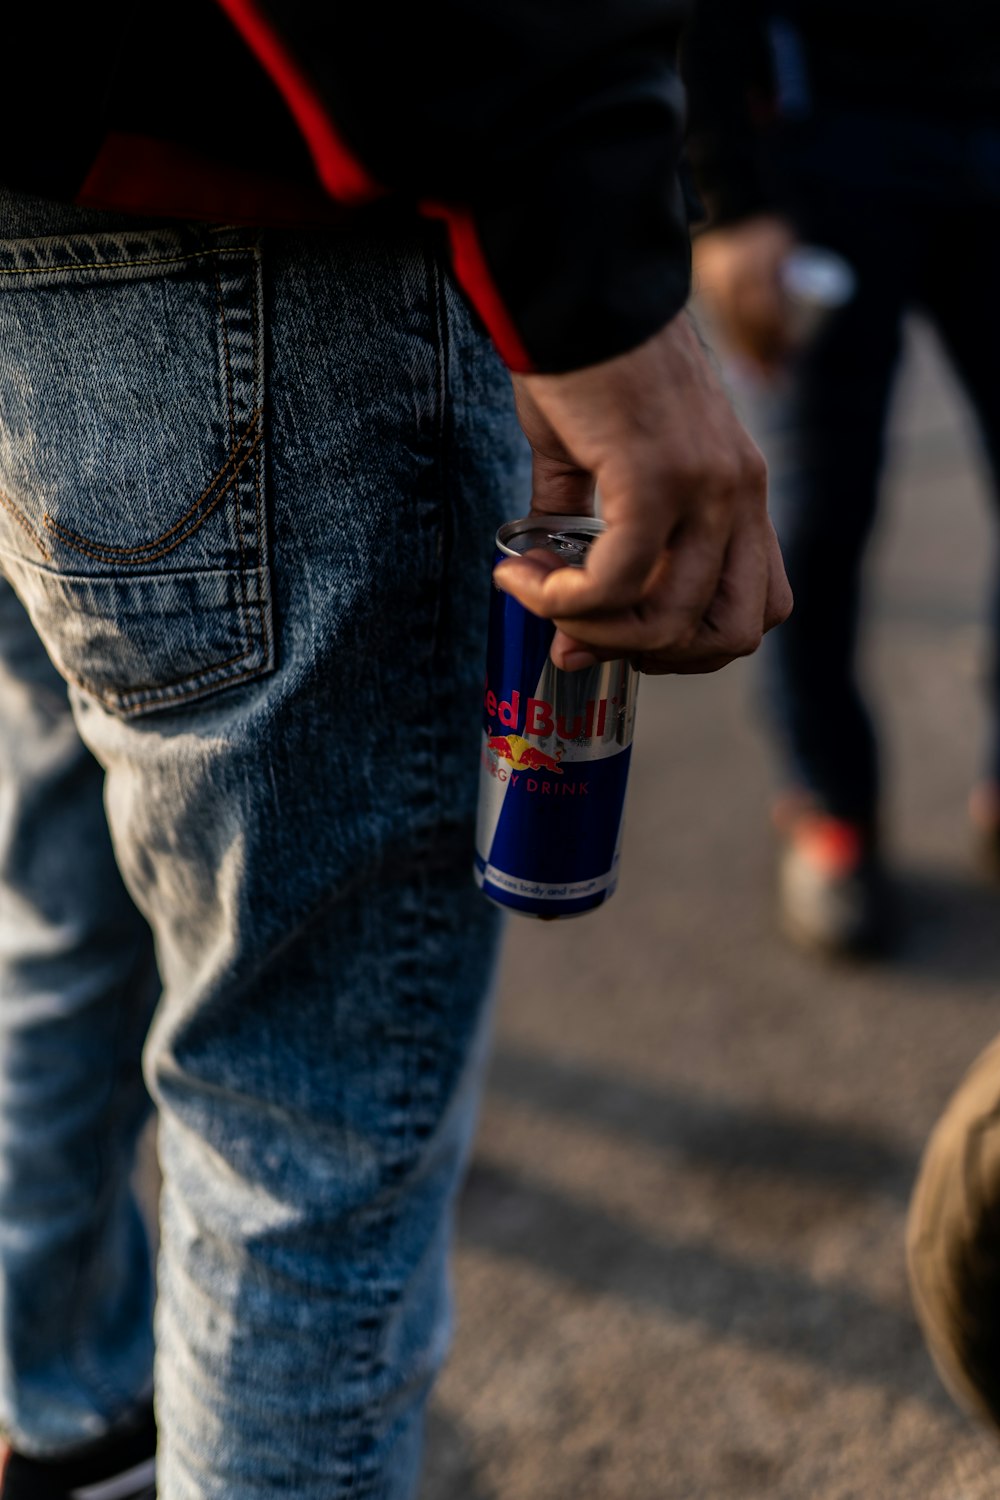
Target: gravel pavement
pixel 680 1271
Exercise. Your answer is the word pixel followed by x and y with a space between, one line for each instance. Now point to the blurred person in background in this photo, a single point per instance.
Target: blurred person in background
pixel 249 480
pixel 872 130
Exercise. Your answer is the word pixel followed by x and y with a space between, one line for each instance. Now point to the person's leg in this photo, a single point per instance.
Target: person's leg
pixel 961 295
pixel 77 989
pixel 821 430
pixel 824 451
pixel 280 668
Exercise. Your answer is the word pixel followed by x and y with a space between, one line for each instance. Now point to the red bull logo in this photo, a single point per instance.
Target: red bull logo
pixel 509 757
pixel 522 756
pixel 541 719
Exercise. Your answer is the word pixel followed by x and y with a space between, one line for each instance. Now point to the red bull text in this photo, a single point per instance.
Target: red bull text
pixel 555 752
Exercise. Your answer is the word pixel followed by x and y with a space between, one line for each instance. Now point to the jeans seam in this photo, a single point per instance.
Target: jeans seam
pixel 258 394
pixel 361 1429
pixel 232 439
pixel 360 1426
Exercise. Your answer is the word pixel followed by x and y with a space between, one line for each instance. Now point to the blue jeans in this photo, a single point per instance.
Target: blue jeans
pixel 248 485
pixel 915 209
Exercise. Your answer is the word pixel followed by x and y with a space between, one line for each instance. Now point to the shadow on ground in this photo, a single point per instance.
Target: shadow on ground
pixel 708 1132
pixel 951 930
pixel 770 1307
pixel 453 1462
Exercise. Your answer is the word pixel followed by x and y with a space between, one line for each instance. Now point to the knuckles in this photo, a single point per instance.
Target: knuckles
pixel 728 474
pixel 666 634
pixel 748 643
pixel 741 641
pixel 754 467
pixel 779 611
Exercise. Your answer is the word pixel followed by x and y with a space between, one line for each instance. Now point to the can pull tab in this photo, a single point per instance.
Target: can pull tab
pixel 571 546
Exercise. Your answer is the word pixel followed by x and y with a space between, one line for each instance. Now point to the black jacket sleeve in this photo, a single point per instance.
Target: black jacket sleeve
pixel 546 135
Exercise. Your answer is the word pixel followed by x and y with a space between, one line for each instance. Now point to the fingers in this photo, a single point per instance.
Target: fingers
pixel 638 556
pixel 761 321
pixel 752 597
pixel 739 272
pixel 687 571
pixel 531 570
pixel 560 484
pixel 617 572
pixel 651 516
pixel 571 655
pixel 668 611
pixel 652 667
pixel 560 488
pixel 779 592
pixel 734 623
pixel 668 614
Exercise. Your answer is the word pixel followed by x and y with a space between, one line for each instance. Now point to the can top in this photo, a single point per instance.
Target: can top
pixel 569 537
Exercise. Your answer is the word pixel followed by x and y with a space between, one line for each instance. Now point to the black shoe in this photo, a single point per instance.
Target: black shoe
pixel 121 1466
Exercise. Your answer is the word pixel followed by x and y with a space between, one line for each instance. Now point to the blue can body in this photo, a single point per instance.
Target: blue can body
pixel 554 764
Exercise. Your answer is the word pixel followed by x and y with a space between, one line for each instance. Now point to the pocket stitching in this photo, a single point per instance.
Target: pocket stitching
pixel 114 265
pixel 137 698
pixel 164 694
pixel 163 691
pixel 137 556
pixel 25 525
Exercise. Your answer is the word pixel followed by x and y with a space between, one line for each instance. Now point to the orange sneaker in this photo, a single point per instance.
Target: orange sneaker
pixel 832 891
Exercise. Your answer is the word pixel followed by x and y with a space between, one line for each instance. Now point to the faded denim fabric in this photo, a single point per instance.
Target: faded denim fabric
pixel 77 989
pixel 248 485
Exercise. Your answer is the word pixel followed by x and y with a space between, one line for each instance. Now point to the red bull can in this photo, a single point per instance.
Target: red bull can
pixel 555 752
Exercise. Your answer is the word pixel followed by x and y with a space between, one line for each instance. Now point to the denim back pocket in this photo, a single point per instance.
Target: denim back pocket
pixel 132 509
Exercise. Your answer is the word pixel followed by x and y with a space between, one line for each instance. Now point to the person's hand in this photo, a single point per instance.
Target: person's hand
pixel 687 575
pixel 737 275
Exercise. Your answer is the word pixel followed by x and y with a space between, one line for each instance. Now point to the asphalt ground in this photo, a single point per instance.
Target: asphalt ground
pixel 680 1272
